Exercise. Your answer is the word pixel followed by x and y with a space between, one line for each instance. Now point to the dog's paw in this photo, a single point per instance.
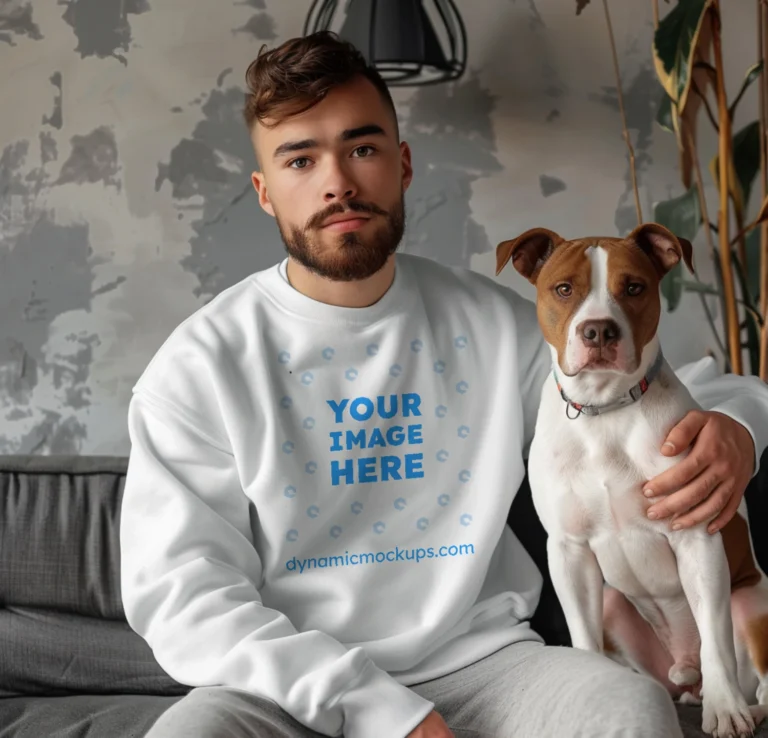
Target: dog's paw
pixel 759 713
pixel 689 698
pixel 727 716
pixel 684 675
pixel 762 692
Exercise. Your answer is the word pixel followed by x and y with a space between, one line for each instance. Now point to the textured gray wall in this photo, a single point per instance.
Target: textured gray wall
pixel 125 200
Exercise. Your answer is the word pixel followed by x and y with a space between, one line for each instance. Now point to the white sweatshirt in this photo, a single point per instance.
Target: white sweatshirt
pixel 316 500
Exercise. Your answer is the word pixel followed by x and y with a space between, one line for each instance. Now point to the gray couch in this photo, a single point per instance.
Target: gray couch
pixel 70 666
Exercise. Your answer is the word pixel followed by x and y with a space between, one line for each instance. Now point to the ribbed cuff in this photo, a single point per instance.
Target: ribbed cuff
pixel 378 706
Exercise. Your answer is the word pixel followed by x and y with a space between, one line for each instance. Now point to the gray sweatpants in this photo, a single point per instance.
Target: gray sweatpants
pixel 525 690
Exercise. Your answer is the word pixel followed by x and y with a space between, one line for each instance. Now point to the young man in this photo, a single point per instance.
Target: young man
pixel 323 459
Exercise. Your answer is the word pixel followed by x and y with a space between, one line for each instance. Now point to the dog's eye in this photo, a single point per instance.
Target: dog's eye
pixel 634 289
pixel 564 290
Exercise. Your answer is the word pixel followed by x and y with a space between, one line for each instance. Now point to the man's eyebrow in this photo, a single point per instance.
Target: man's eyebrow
pixel 368 130
pixel 289 147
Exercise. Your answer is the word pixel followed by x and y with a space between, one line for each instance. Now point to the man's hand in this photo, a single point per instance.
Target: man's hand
pixel 433 726
pixel 712 479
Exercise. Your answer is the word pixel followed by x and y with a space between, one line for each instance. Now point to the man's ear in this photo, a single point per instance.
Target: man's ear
pixel 260 185
pixel 528 252
pixel 663 247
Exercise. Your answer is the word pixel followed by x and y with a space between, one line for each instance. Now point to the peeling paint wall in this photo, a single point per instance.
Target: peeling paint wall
pixel 126 203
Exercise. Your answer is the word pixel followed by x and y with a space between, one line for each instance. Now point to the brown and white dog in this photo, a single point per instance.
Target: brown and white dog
pixel 686 607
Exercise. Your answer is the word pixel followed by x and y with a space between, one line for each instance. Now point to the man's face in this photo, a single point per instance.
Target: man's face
pixel 334 177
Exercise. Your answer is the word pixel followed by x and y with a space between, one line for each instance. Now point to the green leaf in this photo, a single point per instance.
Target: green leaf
pixel 752 74
pixel 746 158
pixel 753 264
pixel 682 216
pixel 674 47
pixel 672 287
pixel 746 165
pixel 580 5
pixel 691 286
pixel 664 113
pixel 753 344
pixel 753 332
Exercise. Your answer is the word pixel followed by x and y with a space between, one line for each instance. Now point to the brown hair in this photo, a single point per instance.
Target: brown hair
pixel 299 73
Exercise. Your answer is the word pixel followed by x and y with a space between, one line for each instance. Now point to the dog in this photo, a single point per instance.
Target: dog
pixel 687 607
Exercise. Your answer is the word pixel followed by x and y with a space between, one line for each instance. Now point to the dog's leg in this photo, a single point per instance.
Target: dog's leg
pixel 706 581
pixel 578 583
pixel 750 617
pixel 630 636
pixel 674 623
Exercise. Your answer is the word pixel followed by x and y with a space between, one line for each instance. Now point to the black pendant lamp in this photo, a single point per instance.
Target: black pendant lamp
pixel 410 42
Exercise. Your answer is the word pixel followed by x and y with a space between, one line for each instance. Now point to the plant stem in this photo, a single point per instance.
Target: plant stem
pixel 724 149
pixel 762 17
pixel 623 114
pixel 741 242
pixel 703 97
pixel 708 232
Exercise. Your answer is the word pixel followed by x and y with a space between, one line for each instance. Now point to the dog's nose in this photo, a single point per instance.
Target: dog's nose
pixel 599 333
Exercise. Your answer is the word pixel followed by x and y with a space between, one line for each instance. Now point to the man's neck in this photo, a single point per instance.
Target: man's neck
pixel 355 294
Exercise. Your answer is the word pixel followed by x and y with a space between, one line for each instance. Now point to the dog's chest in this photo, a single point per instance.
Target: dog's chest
pixel 587 473
pixel 588 487
pixel 605 473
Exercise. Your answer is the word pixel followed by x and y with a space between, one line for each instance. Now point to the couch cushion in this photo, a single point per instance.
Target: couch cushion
pixel 84 716
pixel 59 533
pixel 63 628
pixel 51 653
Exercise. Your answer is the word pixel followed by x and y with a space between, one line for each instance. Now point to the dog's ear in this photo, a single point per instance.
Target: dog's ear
pixel 663 247
pixel 528 252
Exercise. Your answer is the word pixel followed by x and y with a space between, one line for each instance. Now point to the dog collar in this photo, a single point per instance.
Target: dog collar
pixel 634 394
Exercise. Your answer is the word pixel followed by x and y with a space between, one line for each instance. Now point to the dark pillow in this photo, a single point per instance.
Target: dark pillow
pixel 59 533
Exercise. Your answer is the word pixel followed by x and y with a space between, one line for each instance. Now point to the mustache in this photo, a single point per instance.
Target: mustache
pixel 316 221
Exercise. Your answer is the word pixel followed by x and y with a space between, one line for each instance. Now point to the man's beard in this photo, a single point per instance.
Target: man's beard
pixel 353 256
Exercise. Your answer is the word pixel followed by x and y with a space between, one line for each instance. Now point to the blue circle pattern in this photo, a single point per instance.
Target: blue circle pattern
pixel 313 511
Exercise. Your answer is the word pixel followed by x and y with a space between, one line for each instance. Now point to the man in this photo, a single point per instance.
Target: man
pixel 323 459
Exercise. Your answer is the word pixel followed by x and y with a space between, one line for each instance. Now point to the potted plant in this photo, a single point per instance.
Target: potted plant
pixel 688 59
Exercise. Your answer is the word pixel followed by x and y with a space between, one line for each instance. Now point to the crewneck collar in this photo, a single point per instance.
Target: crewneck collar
pixel 274 282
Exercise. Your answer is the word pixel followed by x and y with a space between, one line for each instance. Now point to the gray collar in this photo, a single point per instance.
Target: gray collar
pixel 633 395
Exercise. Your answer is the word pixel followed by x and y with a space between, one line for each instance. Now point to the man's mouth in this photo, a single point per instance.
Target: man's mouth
pixel 343 225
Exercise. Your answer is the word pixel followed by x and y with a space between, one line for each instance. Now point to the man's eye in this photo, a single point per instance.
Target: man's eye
pixel 300 163
pixel 370 150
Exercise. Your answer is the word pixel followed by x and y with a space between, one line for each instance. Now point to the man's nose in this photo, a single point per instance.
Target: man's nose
pixel 339 185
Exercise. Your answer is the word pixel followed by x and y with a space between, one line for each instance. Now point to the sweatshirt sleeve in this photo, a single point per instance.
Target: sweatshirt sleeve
pixel 745 399
pixel 190 575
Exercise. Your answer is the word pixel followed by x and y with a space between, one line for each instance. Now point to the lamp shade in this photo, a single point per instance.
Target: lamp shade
pixel 410 42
